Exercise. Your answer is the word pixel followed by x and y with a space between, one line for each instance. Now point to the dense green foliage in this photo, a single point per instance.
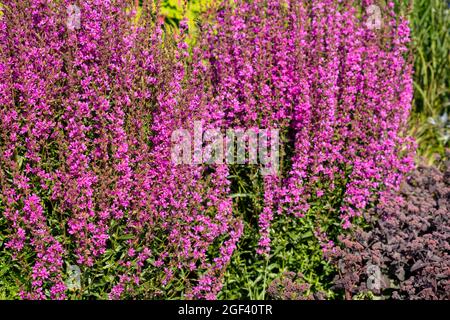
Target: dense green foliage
pixel 430 27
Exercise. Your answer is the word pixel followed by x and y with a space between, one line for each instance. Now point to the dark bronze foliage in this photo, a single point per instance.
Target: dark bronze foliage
pixel 408 245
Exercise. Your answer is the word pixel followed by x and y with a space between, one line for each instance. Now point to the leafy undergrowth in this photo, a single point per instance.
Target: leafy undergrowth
pixel 293 248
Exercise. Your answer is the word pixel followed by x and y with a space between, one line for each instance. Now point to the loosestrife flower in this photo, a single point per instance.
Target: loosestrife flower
pixel 87 115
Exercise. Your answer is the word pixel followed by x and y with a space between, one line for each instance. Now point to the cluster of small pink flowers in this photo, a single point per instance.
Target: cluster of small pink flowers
pixel 89 112
pixel 339 90
pixel 325 243
pixel 87 115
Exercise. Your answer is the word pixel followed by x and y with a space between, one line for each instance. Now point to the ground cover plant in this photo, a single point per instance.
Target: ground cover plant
pixel 410 242
pixel 93 206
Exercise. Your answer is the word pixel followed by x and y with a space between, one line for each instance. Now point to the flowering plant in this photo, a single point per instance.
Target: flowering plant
pixel 89 98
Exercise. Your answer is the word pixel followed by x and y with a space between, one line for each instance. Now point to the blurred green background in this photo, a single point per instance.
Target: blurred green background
pixel 294 248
